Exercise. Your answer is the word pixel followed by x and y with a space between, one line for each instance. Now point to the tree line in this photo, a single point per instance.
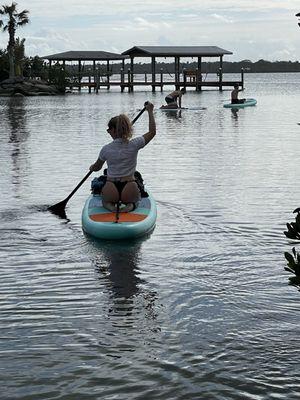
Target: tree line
pixel 213 67
pixel 13 57
pixel 13 61
pixel 260 66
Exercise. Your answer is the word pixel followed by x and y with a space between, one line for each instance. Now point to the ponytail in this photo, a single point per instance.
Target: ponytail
pixel 122 126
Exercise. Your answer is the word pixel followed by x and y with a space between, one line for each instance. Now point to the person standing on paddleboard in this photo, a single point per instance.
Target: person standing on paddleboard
pixel 121 158
pixel 173 99
pixel 235 94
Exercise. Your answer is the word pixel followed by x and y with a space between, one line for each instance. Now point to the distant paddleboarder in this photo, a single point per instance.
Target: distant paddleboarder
pixel 173 99
pixel 298 15
pixel 235 94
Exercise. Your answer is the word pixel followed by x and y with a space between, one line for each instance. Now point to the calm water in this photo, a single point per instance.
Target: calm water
pixel 202 308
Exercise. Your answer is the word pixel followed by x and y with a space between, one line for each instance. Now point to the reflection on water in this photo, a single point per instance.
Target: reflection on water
pixel 234 112
pixel 117 264
pixel 172 114
pixel 16 115
pixel 18 135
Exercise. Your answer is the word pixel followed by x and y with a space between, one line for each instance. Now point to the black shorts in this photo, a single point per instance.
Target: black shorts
pixel 98 184
pixel 170 100
pixel 120 185
pixel 237 101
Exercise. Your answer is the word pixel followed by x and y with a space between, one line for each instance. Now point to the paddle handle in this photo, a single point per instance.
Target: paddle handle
pixel 139 114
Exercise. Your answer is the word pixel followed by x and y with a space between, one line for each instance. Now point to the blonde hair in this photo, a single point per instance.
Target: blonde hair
pixel 122 126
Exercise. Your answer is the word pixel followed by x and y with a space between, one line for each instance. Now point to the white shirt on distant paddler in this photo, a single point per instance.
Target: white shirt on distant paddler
pixel 121 156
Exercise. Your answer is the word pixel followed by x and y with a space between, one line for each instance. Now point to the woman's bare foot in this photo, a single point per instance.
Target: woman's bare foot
pixel 128 207
pixel 109 206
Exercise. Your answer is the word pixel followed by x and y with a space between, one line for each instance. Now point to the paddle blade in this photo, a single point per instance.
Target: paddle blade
pixel 59 209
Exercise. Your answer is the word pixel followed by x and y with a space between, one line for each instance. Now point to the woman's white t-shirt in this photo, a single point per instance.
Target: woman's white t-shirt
pixel 121 156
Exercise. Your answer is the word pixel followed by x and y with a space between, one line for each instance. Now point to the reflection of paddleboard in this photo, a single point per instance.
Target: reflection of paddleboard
pixel 247 103
pixel 179 109
pixel 182 108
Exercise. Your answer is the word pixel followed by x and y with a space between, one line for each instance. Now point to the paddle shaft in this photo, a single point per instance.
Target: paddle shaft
pixel 139 114
pixel 78 186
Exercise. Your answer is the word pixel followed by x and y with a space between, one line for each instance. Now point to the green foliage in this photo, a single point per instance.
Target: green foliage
pixel 11 20
pixel 35 67
pixel 293 259
pixel 58 77
pixel 293 228
pixel 4 65
pixel 19 56
pixel 293 266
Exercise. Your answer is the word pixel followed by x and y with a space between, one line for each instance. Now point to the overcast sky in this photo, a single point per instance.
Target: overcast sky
pixel 251 29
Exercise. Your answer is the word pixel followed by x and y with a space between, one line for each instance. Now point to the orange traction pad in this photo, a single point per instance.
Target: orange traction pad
pixel 123 217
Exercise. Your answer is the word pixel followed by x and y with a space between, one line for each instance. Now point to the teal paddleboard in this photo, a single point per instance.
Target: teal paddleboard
pixel 247 103
pixel 101 223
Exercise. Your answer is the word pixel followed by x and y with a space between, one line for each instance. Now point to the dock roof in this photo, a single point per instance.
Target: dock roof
pixel 85 55
pixel 180 51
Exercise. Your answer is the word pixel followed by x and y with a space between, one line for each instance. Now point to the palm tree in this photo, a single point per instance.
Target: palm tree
pixel 19 56
pixel 14 20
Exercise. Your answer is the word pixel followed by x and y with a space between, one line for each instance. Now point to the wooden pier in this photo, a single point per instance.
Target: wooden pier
pixel 128 82
pixel 94 79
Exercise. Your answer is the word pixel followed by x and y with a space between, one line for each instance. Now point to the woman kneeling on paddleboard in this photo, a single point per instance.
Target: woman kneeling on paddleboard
pixel 121 158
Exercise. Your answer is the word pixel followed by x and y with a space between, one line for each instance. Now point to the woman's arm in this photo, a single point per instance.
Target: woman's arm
pixel 152 125
pixel 97 165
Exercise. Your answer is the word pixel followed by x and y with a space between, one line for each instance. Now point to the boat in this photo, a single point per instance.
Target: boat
pixel 101 223
pixel 247 103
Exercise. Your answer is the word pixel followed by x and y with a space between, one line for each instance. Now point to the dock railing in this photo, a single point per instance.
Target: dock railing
pixel 189 78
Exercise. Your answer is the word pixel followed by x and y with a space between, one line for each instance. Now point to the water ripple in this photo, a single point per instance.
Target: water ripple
pixel 199 309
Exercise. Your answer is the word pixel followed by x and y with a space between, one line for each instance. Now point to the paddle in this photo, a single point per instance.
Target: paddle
pixel 59 208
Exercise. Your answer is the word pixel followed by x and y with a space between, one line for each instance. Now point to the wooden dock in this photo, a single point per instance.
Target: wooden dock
pixel 94 75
